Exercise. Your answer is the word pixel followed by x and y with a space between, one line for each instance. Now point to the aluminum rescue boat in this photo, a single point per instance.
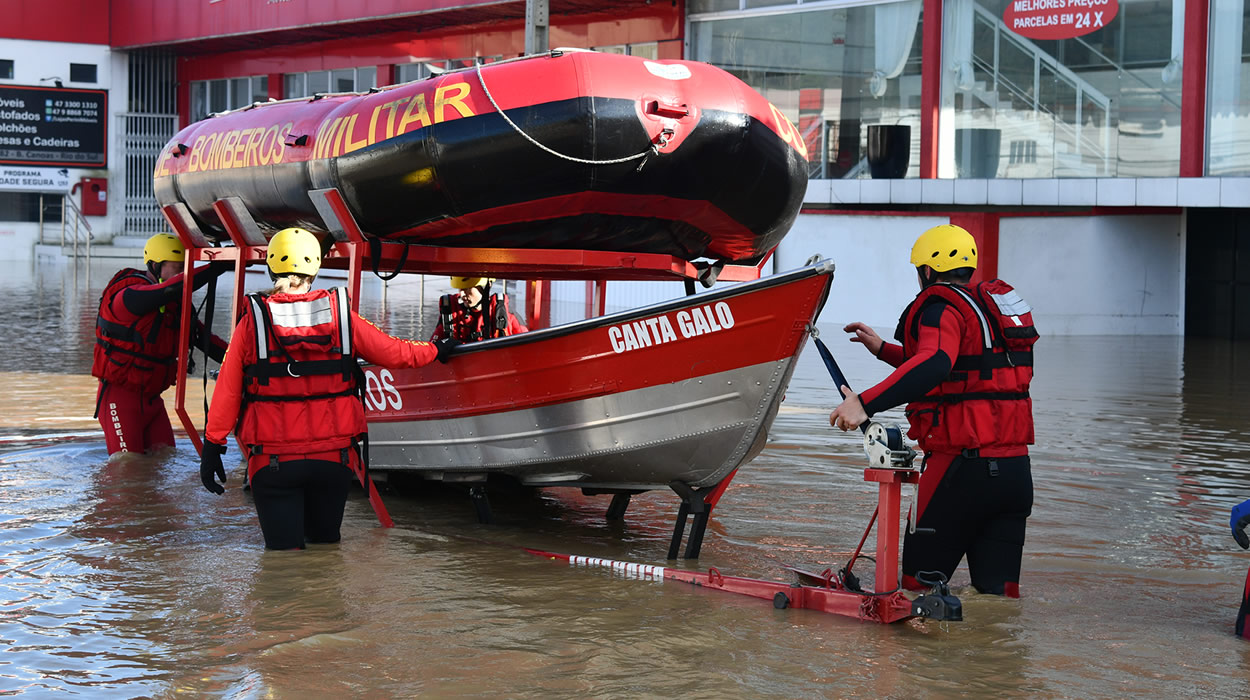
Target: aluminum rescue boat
pixel 684 391
pixel 569 149
pixel 567 165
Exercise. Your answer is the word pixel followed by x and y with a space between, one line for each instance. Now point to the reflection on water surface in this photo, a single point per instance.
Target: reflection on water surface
pixel 128 579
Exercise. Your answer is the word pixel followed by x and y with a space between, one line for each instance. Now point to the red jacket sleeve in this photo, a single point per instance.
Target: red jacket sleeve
pixel 387 350
pixel 514 326
pixel 142 299
pixel 937 346
pixel 438 332
pixel 891 354
pixel 223 413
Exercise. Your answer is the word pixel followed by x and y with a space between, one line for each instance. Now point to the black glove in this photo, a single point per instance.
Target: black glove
pixel 1239 520
pixel 220 267
pixel 210 464
pixel 445 346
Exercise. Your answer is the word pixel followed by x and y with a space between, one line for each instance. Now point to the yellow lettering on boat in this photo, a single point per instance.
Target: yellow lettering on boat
pixel 442 100
pixel 421 116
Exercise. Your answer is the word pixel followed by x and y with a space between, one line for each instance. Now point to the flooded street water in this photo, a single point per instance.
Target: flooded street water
pixel 128 579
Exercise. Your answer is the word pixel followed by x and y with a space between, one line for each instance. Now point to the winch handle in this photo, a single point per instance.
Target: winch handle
pixel 839 379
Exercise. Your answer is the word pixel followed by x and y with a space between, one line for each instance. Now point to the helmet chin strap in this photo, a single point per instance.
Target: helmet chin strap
pixel 926 280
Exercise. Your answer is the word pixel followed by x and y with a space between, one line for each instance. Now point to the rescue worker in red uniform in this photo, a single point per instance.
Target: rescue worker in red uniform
pixel 291 390
pixel 1240 520
pixel 136 346
pixel 474 313
pixel 963 366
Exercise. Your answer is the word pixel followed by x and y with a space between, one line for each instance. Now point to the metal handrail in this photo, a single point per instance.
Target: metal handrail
pixel 1059 124
pixel 79 219
pixel 1084 90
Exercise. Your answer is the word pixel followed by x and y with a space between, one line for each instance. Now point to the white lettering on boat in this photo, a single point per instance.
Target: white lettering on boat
pixel 380 390
pixel 657 330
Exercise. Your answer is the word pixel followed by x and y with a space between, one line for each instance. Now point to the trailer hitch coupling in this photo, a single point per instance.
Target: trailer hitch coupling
pixel 938 604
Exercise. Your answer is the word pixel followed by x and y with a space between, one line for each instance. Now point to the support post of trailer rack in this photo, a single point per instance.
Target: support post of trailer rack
pixel 699 503
pixel 889 497
pixel 198 248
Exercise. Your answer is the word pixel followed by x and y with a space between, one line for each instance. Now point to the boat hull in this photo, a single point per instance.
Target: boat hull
pixel 594 406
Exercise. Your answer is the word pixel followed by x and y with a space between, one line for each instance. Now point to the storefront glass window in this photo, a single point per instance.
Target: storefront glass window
pixel 318 82
pixel 293 85
pixel 1228 90
pixel 844 76
pixel 1042 89
pixel 199 100
pixel 240 92
pixel 260 89
pixel 218 97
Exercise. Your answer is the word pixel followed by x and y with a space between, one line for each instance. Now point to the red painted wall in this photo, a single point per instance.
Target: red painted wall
pixel 74 21
pixel 663 24
pixel 144 22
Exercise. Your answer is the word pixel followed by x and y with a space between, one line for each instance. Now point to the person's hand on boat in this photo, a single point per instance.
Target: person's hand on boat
pixel 210 465
pixel 865 335
pixel 850 414
pixel 445 346
pixel 1240 520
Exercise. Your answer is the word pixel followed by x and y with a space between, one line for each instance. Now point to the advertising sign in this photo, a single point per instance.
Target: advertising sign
pixel 53 126
pixel 17 178
pixel 1058 19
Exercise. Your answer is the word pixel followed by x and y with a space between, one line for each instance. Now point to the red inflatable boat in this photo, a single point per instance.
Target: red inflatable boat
pixel 571 149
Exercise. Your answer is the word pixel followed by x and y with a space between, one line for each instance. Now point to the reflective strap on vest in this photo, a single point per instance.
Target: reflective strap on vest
pixel 345 322
pixel 258 318
pixel 303 314
pixel 985 323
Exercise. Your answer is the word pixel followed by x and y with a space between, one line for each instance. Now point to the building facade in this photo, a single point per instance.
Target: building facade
pixel 1098 149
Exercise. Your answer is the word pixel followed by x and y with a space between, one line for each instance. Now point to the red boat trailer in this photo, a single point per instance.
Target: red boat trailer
pixel 833 592
pixel 351 249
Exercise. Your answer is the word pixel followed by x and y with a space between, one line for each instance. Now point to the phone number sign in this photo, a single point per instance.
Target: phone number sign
pixel 1058 19
pixel 53 126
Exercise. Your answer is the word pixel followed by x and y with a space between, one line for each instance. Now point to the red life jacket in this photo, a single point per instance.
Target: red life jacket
pixel 984 403
pixel 469 326
pixel 141 355
pixel 303 394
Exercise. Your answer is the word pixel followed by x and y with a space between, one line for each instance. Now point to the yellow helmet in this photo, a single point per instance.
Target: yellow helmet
pixel 163 247
pixel 294 250
pixel 945 247
pixel 466 282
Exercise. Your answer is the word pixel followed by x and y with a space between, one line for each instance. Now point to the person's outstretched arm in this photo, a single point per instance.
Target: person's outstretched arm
pixel 142 299
pixel 386 350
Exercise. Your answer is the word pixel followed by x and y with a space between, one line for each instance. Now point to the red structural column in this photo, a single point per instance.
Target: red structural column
pixel 386 74
pixel 1194 89
pixel 538 304
pixel 930 86
pixel 984 228
pixel 274 91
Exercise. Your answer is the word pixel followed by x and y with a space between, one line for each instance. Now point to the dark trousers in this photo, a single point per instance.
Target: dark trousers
pixel 1243 615
pixel 978 508
pixel 300 501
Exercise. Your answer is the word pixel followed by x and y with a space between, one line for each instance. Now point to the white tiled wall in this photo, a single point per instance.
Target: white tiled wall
pixel 1067 192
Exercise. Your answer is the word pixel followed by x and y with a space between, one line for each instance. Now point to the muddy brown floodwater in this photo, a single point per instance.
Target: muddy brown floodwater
pixel 128 579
